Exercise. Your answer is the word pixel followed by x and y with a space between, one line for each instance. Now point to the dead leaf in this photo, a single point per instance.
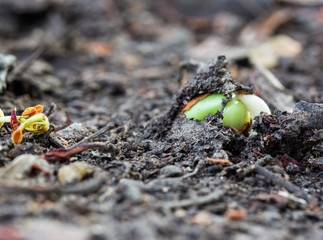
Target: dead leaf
pixel 268 53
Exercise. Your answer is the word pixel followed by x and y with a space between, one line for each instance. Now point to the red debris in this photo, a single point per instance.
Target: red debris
pixel 257 152
pixel 9 233
pixel 64 154
pixel 285 160
pixel 14 121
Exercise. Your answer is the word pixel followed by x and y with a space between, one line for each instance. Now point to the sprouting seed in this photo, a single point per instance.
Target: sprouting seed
pixel 31 120
pixel 237 112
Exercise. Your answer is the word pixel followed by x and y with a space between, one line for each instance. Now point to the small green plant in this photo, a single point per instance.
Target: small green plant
pixel 237 112
pixel 31 120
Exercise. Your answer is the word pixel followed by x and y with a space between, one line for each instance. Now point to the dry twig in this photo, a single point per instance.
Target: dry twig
pixel 85 187
pixel 198 167
pixel 272 91
pixel 23 66
pixel 96 134
pixel 279 180
pixel 198 201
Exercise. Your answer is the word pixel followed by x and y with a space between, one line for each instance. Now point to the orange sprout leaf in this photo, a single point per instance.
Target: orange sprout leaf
pixel 17 136
pixel 31 111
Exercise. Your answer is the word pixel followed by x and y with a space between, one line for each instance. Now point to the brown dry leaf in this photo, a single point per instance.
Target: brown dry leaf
pixel 270 198
pixel 98 48
pixel 235 214
pixel 215 46
pixel 268 53
pixel 218 161
pixel 265 26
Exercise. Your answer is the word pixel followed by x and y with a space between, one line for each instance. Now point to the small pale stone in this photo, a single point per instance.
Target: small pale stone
pixel 21 166
pixel 74 172
pixel 171 171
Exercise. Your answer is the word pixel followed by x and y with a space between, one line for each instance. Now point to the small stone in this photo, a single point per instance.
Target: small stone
pixel 74 172
pixel 292 168
pixel 74 133
pixel 180 213
pixel 202 218
pixel 26 166
pixel 214 169
pixel 314 111
pixel 130 190
pixel 171 171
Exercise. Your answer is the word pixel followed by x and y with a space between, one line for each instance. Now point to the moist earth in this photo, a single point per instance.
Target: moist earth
pixel 106 73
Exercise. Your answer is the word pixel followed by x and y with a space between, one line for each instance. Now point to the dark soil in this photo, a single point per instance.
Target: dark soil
pixel 107 72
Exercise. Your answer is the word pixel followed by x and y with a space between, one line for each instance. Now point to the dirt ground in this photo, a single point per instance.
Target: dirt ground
pixel 114 76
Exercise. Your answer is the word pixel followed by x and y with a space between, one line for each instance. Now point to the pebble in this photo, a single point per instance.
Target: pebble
pixel 214 169
pixel 171 171
pixel 74 172
pixel 130 190
pixel 74 133
pixel 24 167
pixel 314 111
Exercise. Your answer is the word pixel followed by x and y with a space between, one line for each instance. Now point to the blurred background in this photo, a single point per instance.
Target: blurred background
pixel 100 50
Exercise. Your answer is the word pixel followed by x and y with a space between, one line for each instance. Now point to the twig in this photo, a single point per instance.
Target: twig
pixel 51 109
pixel 198 167
pixel 270 77
pixel 272 90
pixel 258 168
pixel 261 162
pixel 52 138
pixel 54 141
pixel 198 201
pixel 127 166
pixel 23 66
pixel 96 134
pixel 178 179
pixel 279 180
pixel 64 154
pixel 65 124
pixel 85 187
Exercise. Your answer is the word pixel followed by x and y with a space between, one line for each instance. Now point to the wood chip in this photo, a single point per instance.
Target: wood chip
pixel 235 214
pixel 218 161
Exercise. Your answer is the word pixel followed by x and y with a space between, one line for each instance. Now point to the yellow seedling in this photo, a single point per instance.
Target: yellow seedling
pixel 31 120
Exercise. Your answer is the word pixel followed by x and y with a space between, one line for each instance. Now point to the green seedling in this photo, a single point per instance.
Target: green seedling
pixel 237 113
